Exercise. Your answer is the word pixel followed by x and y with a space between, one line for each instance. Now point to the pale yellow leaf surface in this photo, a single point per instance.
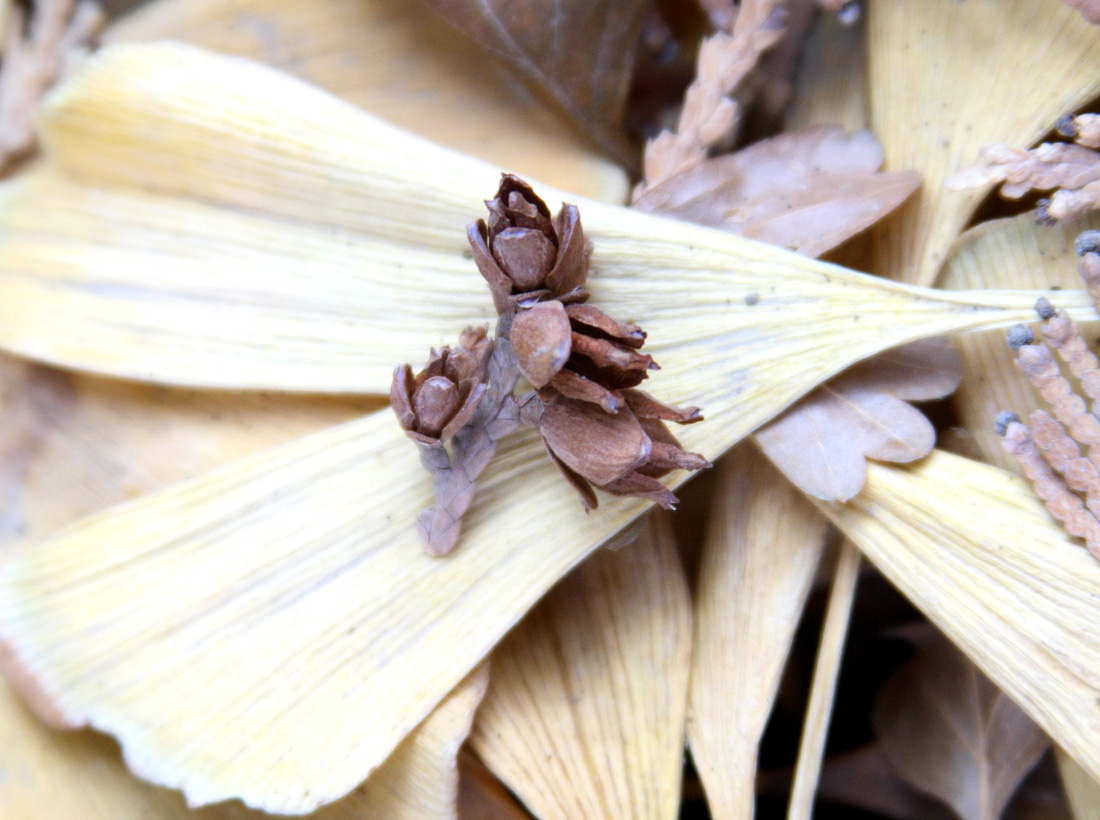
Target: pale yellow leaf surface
pixel 946 77
pixel 403 63
pixel 760 554
pixel 139 614
pixel 208 221
pixel 587 697
pixel 1007 253
pixel 830 87
pixel 72 445
pixel 973 548
pixel 273 629
pixel 1082 789
pixel 47 773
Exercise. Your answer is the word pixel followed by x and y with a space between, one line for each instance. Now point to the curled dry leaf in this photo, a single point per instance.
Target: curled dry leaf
pixel 581 53
pixel 865 779
pixel 605 657
pixel 757 567
pixel 807 191
pixel 821 443
pixel 947 730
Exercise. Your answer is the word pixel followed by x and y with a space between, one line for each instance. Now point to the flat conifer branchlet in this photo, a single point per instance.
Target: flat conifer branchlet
pixel 599 429
pixel 1060 450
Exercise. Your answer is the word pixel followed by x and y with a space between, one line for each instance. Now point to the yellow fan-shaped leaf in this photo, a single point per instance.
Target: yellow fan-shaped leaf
pixel 401 62
pixel 587 696
pixel 974 549
pixel 763 544
pixel 940 88
pixel 1006 253
pixel 207 221
pixel 79 774
pixel 273 629
pixel 72 445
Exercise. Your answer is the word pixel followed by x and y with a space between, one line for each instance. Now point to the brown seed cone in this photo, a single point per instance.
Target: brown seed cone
pixel 436 403
pixel 620 453
pixel 525 255
pixel 579 352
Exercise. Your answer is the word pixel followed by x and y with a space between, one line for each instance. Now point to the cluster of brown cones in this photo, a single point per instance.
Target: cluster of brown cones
pixel 584 368
pixel 1050 448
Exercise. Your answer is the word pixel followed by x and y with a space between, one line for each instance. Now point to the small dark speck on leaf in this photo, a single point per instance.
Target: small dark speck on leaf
pixel 752 299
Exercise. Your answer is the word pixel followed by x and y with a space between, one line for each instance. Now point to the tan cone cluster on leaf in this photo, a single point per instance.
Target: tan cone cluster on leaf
pixel 584 365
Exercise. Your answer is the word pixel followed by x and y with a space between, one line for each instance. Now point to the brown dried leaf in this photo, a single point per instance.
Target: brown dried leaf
pixel 821 443
pixel 807 190
pixel 481 796
pixel 581 53
pixel 947 730
pixel 863 778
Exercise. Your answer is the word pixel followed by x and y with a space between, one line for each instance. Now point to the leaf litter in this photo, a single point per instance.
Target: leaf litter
pixel 810 206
